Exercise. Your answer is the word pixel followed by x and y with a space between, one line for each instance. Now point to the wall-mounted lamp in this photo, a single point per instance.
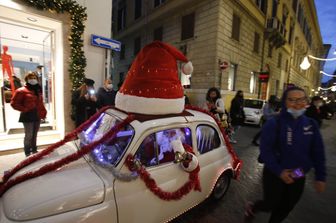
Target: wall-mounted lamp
pixel 305 64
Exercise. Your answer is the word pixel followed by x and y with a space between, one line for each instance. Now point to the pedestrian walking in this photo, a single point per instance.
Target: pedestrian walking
pixel 270 109
pixel 237 114
pixel 28 100
pixel 291 144
pixel 314 110
pixel 106 94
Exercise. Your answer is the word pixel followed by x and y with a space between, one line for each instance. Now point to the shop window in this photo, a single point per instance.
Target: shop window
pixel 158 33
pixel 253 82
pixel 232 77
pixel 188 24
pixel 207 139
pixel 235 27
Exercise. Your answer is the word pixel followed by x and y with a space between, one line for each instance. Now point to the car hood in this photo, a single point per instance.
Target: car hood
pixel 72 187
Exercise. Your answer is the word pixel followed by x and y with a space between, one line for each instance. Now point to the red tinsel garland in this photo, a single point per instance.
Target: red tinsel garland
pixel 8 183
pixel 236 161
pixel 192 183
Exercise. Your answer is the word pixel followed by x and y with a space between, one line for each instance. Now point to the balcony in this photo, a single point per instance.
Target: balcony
pixel 275 32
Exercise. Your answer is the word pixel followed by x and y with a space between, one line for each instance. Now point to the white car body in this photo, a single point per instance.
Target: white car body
pixel 84 191
pixel 253 109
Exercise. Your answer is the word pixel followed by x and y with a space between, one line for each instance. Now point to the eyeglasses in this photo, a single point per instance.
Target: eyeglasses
pixel 297 100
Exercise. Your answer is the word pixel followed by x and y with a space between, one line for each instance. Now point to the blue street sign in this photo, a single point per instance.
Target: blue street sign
pixel 105 42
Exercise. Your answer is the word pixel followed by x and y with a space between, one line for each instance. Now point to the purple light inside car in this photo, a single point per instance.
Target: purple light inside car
pixel 187 131
pixel 96 151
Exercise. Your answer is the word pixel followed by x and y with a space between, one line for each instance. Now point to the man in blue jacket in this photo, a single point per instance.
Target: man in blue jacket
pixel 290 145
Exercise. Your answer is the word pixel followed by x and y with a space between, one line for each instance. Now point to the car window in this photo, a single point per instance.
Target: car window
pixel 248 103
pixel 156 148
pixel 111 150
pixel 207 138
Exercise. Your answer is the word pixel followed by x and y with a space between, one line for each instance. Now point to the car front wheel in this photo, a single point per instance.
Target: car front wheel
pixel 221 186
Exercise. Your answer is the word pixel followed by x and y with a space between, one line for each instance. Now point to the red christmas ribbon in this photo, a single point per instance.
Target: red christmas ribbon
pixel 8 183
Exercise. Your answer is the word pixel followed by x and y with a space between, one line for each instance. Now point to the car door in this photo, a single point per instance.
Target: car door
pixel 136 203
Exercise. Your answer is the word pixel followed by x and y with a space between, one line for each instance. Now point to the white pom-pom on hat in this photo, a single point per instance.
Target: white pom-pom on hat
pixel 187 68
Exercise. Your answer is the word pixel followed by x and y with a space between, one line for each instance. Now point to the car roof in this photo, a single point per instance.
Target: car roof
pixel 153 120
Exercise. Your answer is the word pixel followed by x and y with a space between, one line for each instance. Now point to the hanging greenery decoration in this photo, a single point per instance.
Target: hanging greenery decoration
pixel 77 62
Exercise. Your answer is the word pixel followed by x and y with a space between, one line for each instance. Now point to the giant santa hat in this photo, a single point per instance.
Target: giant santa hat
pixel 152 85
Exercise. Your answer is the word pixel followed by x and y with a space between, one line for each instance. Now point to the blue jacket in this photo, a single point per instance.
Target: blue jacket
pixel 299 145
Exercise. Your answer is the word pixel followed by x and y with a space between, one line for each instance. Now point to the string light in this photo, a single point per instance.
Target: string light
pixel 329 75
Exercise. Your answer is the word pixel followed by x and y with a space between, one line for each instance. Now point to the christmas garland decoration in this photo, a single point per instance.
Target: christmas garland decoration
pixel 237 163
pixel 78 17
pixel 8 183
pixel 192 183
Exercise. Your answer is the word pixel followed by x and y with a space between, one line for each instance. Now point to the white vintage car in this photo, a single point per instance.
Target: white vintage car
pixel 99 187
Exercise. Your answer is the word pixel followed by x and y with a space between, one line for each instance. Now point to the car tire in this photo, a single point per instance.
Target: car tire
pixel 221 186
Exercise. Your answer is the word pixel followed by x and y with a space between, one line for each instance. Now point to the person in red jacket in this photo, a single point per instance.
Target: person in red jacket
pixel 28 100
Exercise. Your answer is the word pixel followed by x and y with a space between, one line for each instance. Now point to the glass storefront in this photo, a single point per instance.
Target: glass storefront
pixel 23 50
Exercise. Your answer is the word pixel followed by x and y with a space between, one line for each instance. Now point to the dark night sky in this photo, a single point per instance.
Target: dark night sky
pixel 326 12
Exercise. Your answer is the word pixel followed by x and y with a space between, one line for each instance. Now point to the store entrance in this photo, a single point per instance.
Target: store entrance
pixel 25 49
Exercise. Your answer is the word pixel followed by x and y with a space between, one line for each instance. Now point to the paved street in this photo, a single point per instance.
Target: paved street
pixel 312 208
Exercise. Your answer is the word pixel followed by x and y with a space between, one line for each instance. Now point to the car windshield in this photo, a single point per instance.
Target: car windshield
pixel 111 150
pixel 249 103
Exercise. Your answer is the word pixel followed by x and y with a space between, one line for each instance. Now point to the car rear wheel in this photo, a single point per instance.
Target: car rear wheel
pixel 221 186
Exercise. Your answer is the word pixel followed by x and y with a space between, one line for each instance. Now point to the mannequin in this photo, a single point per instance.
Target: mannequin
pixel 7 67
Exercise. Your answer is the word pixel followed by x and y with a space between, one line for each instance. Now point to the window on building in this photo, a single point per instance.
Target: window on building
pixel 275 8
pixel 287 66
pixel 121 15
pixel 270 50
pixel 256 42
pixel 232 76
pixel 291 31
pixel 122 52
pixel 253 82
pixel 294 5
pixel 137 8
pixel 207 138
pixel 158 33
pixel 262 5
pixel 277 86
pixel 235 27
pixel 188 25
pixel 137 45
pixel 158 2
pixel 279 60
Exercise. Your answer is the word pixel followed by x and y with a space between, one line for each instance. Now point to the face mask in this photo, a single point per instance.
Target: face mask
pixel 32 81
pixel 318 104
pixel 296 113
pixel 109 86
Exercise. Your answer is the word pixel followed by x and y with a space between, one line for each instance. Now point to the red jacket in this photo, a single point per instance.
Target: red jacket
pixel 25 100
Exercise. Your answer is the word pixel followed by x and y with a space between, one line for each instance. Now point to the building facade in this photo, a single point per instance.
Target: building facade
pixel 250 45
pixel 46 34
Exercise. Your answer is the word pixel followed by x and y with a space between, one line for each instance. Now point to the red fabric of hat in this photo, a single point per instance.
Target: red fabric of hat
pixel 152 85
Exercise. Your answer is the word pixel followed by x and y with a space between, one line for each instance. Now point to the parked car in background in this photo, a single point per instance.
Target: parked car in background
pixel 253 109
pixel 99 187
